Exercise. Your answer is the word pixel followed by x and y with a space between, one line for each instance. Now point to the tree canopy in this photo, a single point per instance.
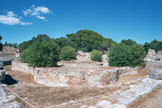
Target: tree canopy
pixel 41 37
pixel 87 40
pixel 10 44
pixel 41 54
pixel 128 42
pixel 62 42
pixel 155 44
pixel 125 55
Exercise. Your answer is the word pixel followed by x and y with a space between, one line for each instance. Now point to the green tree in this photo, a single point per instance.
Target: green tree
pixel 147 46
pixel 62 42
pixel 10 44
pixel 41 37
pixel 68 53
pixel 96 55
pixel 124 55
pixel 128 42
pixel 138 53
pixel 40 54
pixel 87 40
pixel 154 44
pixel 119 55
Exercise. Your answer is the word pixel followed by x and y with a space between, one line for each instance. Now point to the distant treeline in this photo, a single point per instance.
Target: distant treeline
pixel 10 44
pixel 85 40
pixel 155 44
pixel 45 51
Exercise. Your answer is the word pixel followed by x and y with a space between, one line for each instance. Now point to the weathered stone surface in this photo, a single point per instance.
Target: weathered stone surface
pixel 7 100
pixel 9 49
pixel 155 74
pixel 2 75
pixel 153 56
pixel 75 73
pixel 7 56
pixel 122 98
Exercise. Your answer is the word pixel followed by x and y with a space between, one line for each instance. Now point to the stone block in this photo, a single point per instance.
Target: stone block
pixel 155 74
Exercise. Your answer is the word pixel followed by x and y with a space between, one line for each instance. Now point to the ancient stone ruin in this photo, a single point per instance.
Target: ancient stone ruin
pixel 153 56
pixel 81 72
pixel 2 71
pixel 8 49
pixel 155 73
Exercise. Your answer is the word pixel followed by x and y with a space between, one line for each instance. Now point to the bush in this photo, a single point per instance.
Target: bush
pixel 43 54
pixel 124 55
pixel 96 55
pixel 138 52
pixel 119 55
pixel 68 53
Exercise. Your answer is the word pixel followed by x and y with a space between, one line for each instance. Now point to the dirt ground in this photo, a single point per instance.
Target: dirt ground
pixel 42 96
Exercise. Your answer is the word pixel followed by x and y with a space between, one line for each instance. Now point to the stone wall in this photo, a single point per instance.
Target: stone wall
pixel 23 67
pixel 75 73
pixel 8 49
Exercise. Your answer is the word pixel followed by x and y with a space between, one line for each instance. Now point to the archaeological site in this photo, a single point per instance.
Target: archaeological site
pixel 80 83
pixel 80 54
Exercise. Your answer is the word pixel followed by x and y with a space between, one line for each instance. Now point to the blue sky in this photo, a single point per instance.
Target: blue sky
pixel 140 20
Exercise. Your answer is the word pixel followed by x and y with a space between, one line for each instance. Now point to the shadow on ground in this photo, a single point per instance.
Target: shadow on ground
pixel 9 80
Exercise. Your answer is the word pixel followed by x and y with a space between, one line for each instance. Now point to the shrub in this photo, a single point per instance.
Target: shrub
pixel 96 55
pixel 124 55
pixel 119 55
pixel 138 52
pixel 68 53
pixel 44 54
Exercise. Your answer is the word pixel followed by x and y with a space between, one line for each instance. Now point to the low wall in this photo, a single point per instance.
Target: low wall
pixel 23 67
pixel 75 73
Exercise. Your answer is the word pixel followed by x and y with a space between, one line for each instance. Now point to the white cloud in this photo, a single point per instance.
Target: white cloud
pixel 36 11
pixel 10 13
pixel 41 17
pixel 12 19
